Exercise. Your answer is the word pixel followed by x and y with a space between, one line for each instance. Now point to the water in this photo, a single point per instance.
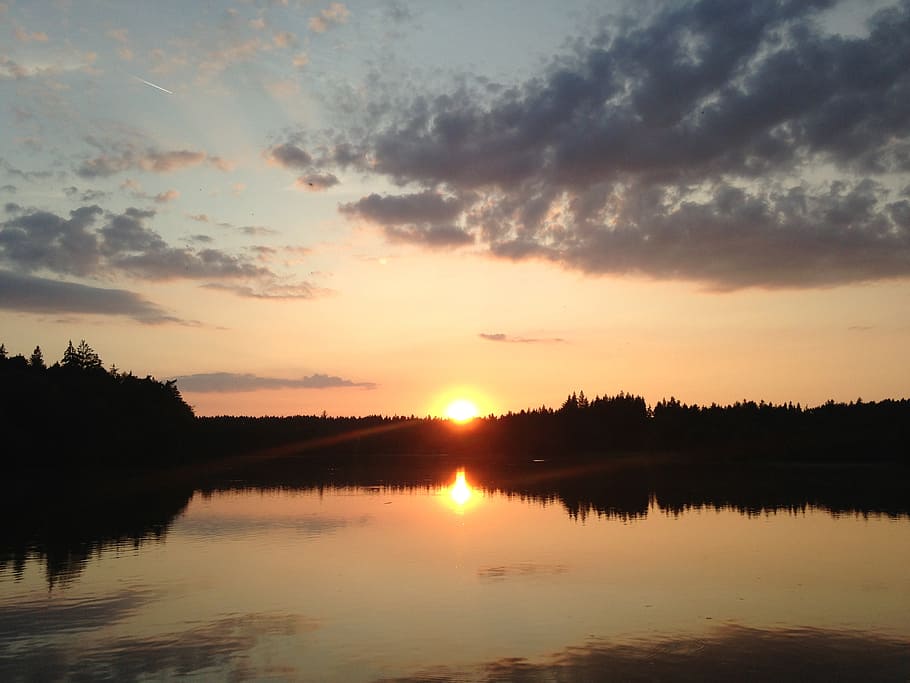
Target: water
pixel 426 578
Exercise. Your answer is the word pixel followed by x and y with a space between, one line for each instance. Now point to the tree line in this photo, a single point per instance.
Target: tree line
pixel 77 414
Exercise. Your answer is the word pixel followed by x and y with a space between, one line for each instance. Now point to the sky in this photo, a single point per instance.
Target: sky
pixel 380 207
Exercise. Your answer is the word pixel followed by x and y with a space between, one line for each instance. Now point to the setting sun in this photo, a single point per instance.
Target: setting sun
pixel 462 410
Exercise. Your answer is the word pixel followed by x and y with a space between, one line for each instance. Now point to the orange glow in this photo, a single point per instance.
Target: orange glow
pixel 462 410
pixel 460 491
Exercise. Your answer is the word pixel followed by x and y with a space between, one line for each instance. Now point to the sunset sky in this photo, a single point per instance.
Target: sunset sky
pixel 379 207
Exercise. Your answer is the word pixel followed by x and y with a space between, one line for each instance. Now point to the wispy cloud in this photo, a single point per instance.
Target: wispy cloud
pixel 121 157
pixel 220 382
pixel 510 339
pixel 333 15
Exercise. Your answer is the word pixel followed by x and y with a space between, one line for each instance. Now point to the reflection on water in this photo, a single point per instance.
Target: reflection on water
pixel 460 491
pixel 361 571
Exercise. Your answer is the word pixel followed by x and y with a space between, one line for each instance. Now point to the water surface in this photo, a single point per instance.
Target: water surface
pixel 429 579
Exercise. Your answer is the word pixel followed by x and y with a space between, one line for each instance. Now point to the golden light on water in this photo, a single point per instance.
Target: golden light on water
pixel 460 491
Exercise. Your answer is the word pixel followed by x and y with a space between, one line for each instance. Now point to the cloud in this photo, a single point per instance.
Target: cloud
pixel 413 218
pixel 92 243
pixel 31 294
pixel 8 188
pixel 73 192
pixel 212 382
pixel 122 157
pixel 290 156
pixel 686 143
pixel 317 182
pixel 284 39
pixel 252 230
pixel 300 60
pixel 43 240
pixel 502 337
pixel 271 290
pixel 24 175
pixel 167 196
pixel 336 13
pixel 432 236
pixel 422 207
pixel 24 36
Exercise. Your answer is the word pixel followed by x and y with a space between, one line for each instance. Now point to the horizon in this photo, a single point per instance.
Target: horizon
pixel 365 208
pixel 463 411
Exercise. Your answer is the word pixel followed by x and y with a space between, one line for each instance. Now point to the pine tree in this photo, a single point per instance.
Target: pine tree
pixel 36 360
pixel 88 359
pixel 70 357
pixel 2 351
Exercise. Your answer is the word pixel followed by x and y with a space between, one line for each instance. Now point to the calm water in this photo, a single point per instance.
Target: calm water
pixel 435 579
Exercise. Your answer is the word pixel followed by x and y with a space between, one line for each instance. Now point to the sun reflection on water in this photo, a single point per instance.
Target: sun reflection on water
pixel 460 496
pixel 460 491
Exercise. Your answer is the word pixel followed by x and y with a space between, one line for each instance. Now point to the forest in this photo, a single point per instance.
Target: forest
pixel 77 415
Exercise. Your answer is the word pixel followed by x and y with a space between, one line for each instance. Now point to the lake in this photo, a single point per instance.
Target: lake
pixel 567 571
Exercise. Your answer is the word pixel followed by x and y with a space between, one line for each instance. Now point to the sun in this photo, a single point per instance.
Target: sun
pixel 462 410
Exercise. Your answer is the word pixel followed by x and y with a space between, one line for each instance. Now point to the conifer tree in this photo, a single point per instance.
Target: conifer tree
pixel 70 357
pixel 36 360
pixel 88 359
pixel 2 351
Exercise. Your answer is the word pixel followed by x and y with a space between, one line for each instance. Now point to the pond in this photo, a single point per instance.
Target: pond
pixel 452 576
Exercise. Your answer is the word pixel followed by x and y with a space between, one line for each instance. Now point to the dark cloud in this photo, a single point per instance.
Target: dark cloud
pixel 290 156
pixel 414 218
pixel 73 192
pixel 434 236
pixel 8 188
pixel 419 208
pixel 676 144
pixel 252 230
pixel 43 240
pixel 230 382
pixel 316 182
pixel 502 337
pixel 12 207
pixel 32 294
pixel 87 245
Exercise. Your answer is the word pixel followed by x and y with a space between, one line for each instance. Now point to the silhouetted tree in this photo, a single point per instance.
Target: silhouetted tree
pixel 88 359
pixel 3 351
pixel 70 357
pixel 36 360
